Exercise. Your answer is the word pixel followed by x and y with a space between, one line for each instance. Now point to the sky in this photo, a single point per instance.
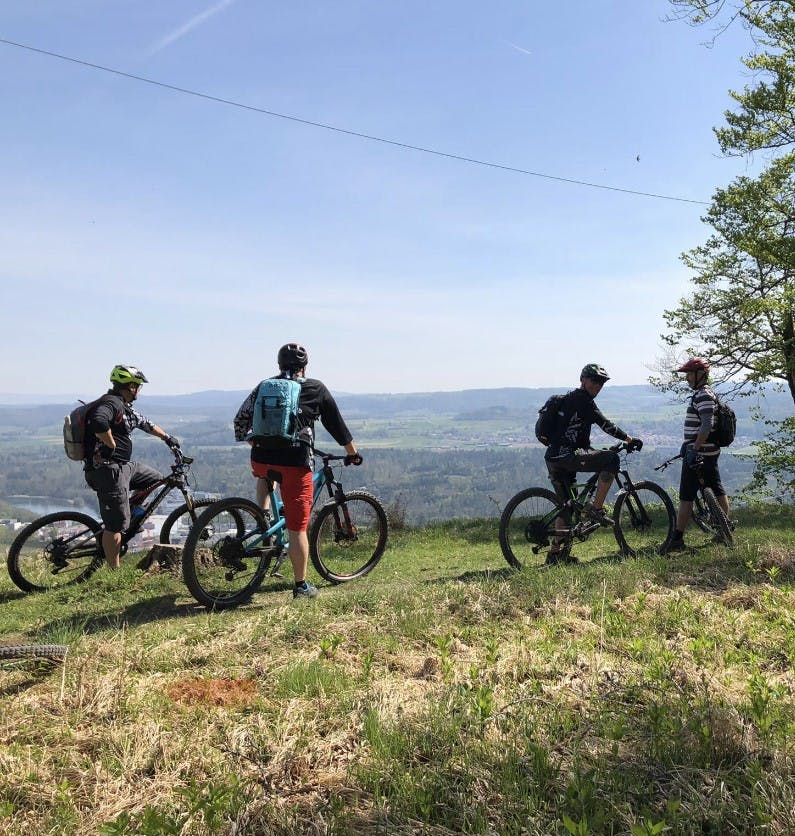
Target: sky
pixel 192 237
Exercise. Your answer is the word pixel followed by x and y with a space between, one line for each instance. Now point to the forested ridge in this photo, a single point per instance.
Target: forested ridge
pixel 435 455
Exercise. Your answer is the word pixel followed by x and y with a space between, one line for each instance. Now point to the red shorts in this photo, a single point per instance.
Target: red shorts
pixel 296 491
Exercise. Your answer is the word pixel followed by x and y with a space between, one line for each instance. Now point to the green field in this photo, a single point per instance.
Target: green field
pixel 442 694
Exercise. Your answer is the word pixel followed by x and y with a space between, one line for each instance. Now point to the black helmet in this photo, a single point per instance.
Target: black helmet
pixel 594 371
pixel 292 357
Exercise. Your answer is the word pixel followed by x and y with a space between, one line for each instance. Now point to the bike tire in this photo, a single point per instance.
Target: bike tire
pixel 173 522
pixel 52 652
pixel 527 526
pixel 720 523
pixel 55 550
pixel 217 569
pixel 340 555
pixel 701 517
pixel 644 520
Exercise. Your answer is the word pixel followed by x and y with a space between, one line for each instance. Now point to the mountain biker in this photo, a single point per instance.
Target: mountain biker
pixel 108 468
pixel 292 466
pixel 570 451
pixel 697 452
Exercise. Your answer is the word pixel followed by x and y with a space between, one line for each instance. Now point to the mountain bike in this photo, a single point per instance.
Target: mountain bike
pixel 347 537
pixel 66 547
pixel 643 519
pixel 707 513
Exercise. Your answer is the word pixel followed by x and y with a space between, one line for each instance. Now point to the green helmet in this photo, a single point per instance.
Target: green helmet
pixel 124 375
pixel 594 371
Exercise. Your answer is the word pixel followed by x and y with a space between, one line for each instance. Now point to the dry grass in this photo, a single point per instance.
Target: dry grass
pixel 503 701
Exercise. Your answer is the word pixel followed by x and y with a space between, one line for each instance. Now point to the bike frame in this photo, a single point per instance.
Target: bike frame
pixel 322 478
pixel 176 479
pixel 576 502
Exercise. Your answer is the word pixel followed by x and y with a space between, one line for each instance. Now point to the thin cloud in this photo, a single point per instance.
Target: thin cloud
pixel 183 30
pixel 520 48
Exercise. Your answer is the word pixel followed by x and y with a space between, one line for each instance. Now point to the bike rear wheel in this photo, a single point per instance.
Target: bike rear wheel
pixel 644 518
pixel 179 522
pixel 346 539
pixel 222 564
pixel 527 526
pixel 719 522
pixel 55 550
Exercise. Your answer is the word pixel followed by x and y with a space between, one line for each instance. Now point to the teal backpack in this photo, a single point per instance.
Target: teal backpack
pixel 276 411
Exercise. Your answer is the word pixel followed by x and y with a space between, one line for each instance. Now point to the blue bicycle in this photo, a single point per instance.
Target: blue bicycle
pixel 233 546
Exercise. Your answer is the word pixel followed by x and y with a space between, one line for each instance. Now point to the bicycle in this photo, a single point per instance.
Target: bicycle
pixel 707 513
pixel 347 538
pixel 643 519
pixel 64 548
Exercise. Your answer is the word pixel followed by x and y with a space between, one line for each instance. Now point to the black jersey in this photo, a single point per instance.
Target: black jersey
pixel 580 414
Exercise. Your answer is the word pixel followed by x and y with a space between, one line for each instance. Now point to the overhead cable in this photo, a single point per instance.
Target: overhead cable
pixel 346 131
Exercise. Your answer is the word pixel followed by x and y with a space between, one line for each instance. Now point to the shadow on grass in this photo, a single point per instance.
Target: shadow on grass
pixel 141 612
pixel 11 595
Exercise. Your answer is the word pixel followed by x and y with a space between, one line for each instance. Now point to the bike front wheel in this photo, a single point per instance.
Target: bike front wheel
pixel 55 550
pixel 527 526
pixel 179 522
pixel 701 516
pixel 644 518
pixel 348 538
pixel 720 523
pixel 224 559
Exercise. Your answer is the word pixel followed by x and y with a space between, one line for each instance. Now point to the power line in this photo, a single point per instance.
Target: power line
pixel 347 132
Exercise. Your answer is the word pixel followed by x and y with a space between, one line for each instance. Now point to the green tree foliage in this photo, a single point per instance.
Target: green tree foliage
pixel 740 314
pixel 765 118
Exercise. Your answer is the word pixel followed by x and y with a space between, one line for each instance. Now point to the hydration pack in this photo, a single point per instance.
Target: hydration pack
pixel 725 424
pixel 550 423
pixel 74 430
pixel 275 422
pixel 725 428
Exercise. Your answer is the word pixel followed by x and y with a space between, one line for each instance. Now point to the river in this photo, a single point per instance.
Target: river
pixel 49 504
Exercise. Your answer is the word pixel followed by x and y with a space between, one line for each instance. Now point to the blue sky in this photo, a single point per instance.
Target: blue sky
pixel 192 238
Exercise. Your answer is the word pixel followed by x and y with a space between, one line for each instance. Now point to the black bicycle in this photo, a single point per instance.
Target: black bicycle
pixel 66 547
pixel 643 519
pixel 347 537
pixel 707 513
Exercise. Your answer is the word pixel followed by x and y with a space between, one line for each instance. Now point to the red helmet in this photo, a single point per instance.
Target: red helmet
pixel 695 364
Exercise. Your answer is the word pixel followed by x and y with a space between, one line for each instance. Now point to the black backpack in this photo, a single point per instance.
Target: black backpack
pixel 725 427
pixel 551 423
pixel 725 424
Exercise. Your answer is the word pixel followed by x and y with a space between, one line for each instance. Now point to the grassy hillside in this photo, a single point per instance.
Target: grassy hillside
pixel 442 694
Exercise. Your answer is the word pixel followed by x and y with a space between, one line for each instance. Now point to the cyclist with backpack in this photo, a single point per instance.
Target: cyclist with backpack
pixel 108 468
pixel 564 426
pixel 278 419
pixel 700 449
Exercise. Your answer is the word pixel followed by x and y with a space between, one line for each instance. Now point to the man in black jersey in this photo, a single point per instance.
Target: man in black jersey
pixel 108 467
pixel 292 466
pixel 570 452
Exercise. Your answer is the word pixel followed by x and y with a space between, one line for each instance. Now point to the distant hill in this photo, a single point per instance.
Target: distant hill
pixel 620 402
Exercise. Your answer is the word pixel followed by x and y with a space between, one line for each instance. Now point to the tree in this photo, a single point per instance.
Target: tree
pixel 741 312
pixel 766 116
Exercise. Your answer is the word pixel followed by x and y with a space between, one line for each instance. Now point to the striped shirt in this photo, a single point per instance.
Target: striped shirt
pixel 701 416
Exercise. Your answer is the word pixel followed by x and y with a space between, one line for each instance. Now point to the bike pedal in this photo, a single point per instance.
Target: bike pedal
pixel 274 573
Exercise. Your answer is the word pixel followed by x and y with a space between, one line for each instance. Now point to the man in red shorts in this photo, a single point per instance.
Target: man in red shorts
pixel 292 465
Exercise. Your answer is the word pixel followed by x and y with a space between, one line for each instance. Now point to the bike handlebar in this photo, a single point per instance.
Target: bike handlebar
pixel 330 457
pixel 629 446
pixel 665 464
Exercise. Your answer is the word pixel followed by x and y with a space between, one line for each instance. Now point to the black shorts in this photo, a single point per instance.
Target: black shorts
pixel 113 483
pixel 563 470
pixel 689 484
